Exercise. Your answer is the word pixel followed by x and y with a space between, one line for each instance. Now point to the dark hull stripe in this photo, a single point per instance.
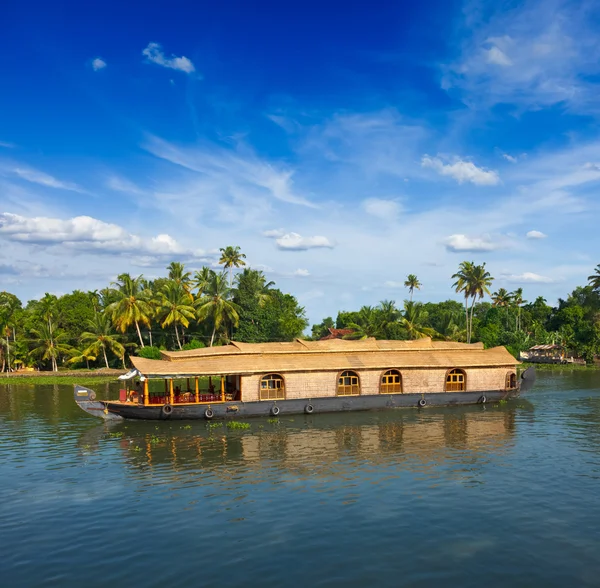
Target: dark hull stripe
pixel 319 405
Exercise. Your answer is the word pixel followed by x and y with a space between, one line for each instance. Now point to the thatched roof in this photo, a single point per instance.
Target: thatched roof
pixel 317 356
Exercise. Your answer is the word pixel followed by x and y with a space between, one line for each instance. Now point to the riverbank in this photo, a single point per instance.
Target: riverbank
pixel 83 377
pixel 560 366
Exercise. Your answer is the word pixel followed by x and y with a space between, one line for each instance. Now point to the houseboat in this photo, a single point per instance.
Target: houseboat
pixel 269 379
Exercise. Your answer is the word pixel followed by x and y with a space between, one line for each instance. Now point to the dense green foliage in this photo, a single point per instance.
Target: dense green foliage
pixel 507 320
pixel 188 311
pixel 137 316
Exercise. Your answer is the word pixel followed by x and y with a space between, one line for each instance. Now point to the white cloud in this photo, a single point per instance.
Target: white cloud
pixel 497 57
pixel 554 55
pixel 155 54
pixel 461 243
pixel 84 233
pixel 98 64
pixel 536 235
pixel 392 284
pixel 119 184
pixel 7 145
pixel 528 278
pixel 238 172
pixel 510 158
pixel 462 171
pixel 38 177
pixel 274 233
pixel 384 209
pixel 302 273
pixel 295 242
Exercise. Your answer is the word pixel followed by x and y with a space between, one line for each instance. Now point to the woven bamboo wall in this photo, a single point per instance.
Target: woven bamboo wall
pixel 324 384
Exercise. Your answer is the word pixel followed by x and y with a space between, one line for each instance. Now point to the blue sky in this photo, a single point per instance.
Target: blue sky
pixel 340 145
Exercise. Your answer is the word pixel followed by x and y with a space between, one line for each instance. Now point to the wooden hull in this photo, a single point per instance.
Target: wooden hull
pixel 228 410
pixel 109 410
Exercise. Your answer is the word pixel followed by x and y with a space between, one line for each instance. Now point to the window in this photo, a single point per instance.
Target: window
pixel 456 381
pixel 511 381
pixel 391 382
pixel 348 384
pixel 272 387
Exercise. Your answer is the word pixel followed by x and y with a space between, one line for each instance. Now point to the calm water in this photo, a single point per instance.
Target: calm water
pixel 472 496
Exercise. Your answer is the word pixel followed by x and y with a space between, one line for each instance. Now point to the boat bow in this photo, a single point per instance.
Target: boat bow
pixel 86 400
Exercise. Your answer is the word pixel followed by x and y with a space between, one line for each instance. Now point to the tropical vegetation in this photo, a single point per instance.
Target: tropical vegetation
pixel 191 308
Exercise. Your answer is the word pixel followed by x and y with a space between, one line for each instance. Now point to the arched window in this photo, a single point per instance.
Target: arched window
pixel 456 381
pixel 391 382
pixel 348 384
pixel 272 387
pixel 511 381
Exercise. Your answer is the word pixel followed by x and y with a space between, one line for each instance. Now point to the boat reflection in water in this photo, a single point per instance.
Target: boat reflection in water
pixel 327 445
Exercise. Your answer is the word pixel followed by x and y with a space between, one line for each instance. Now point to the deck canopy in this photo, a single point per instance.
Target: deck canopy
pixel 319 356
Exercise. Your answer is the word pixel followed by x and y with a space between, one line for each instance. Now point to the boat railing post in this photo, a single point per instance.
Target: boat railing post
pixel 197 390
pixel 222 388
pixel 171 391
pixel 146 391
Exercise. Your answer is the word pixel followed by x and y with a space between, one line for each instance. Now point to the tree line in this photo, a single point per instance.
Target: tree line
pixel 187 310
pixel 184 310
pixel 505 319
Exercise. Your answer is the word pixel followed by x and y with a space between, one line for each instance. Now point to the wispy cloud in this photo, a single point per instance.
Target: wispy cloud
pixel 382 208
pixel 534 54
pixel 536 235
pixel 274 233
pixel 462 171
pixel 98 64
pixel 236 171
pixel 35 176
pixel 463 243
pixel 296 242
pixel 154 53
pixel 527 278
pixel 510 158
pixel 7 145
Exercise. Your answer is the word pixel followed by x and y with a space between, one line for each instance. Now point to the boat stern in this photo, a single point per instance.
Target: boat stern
pixel 527 380
pixel 86 400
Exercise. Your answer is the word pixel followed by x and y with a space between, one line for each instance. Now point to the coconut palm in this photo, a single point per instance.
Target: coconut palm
pixel 517 300
pixel 502 299
pixel 182 278
pixel 412 283
pixel 132 306
pixel 231 257
pixel 464 277
pixel 594 279
pixel 368 324
pixel 99 337
pixel 215 304
pixel 174 308
pixel 480 283
pixel 202 279
pixel 49 344
pixel 413 319
pixel 255 282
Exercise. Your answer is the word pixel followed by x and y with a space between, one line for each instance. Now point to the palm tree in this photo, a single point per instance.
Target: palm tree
pixel 517 299
pixel 132 305
pixel 481 280
pixel 100 337
pixel 368 324
pixel 49 344
pixel 413 319
pixel 502 299
pixel 231 257
pixel 182 278
pixel 214 304
pixel 255 282
pixel 174 308
pixel 202 279
pixel 411 283
pixel 594 279
pixel 464 277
